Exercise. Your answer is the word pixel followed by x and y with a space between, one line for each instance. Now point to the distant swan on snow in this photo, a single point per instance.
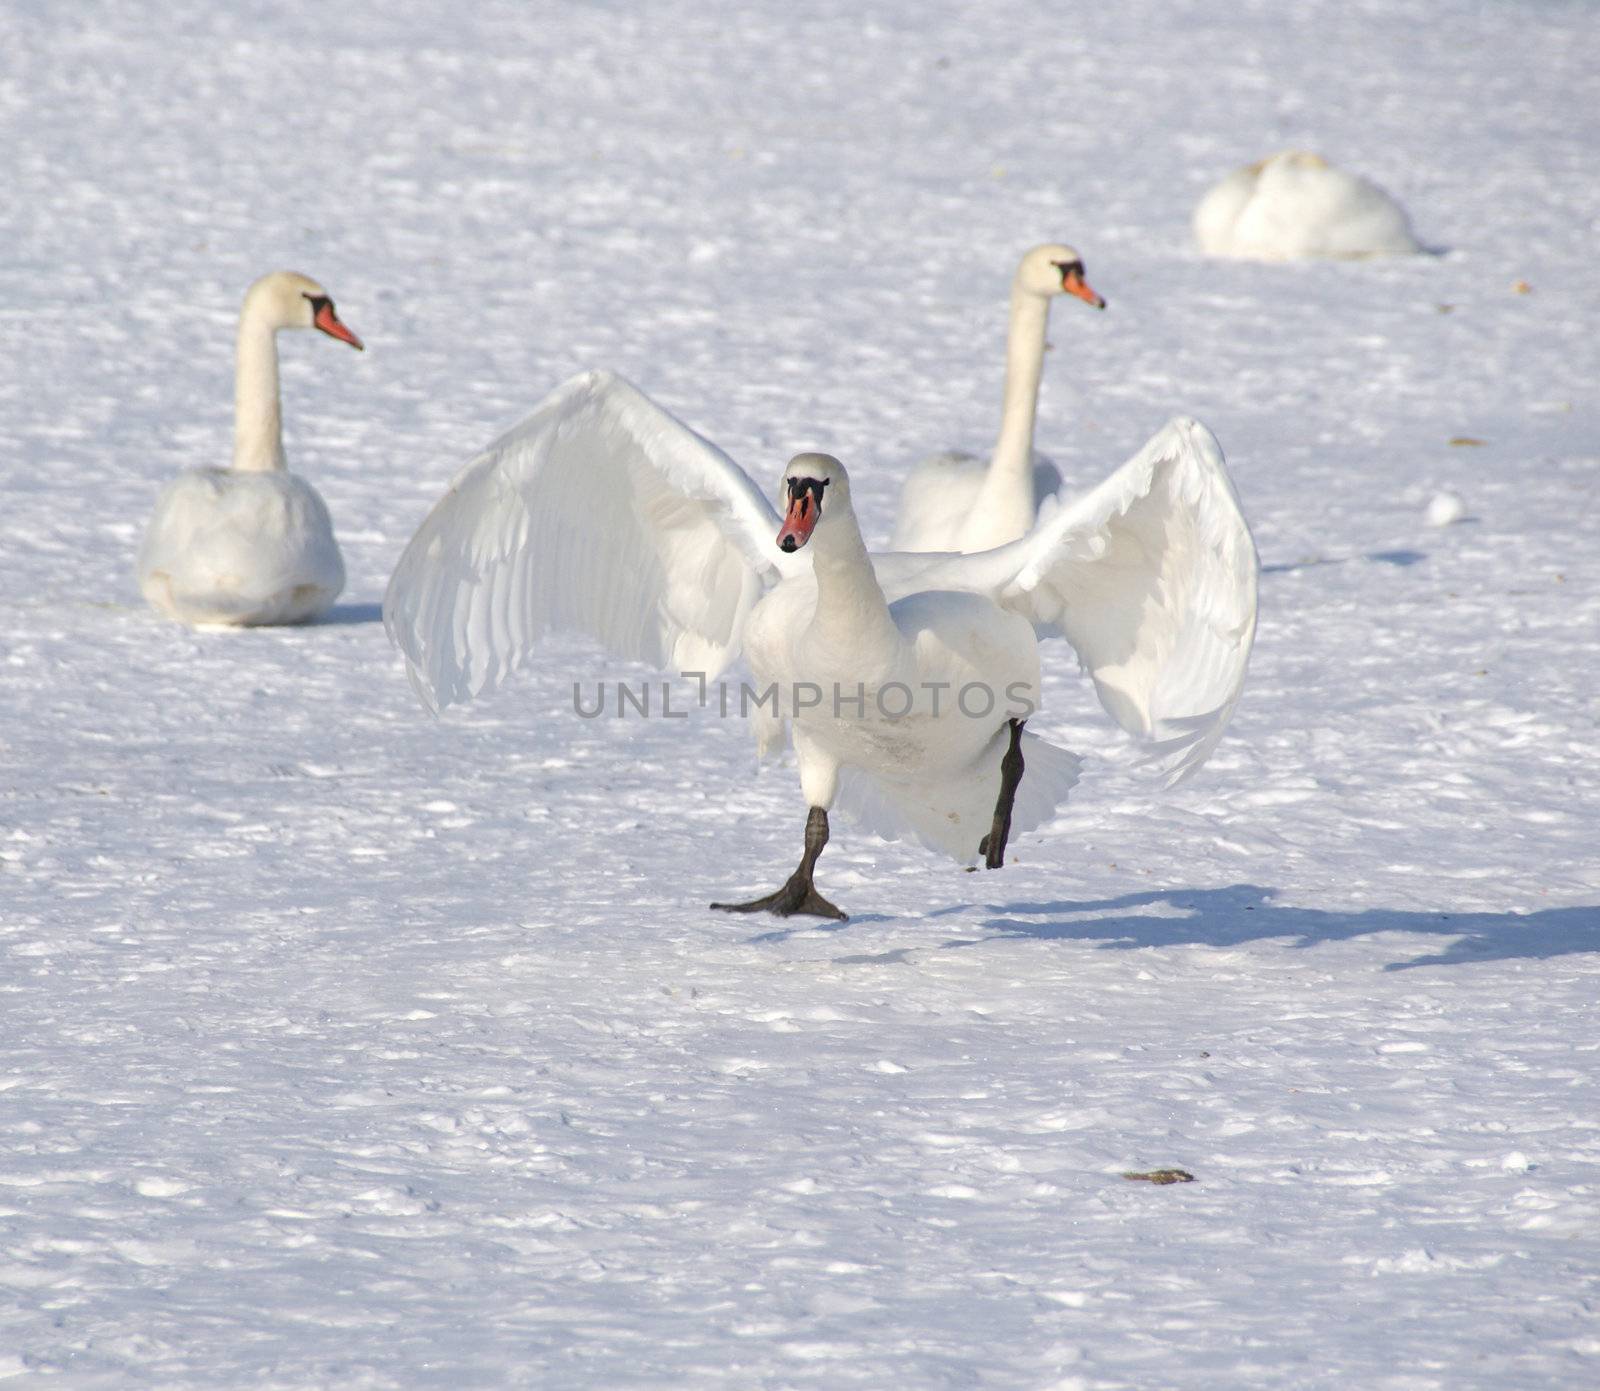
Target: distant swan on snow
pixel 958 502
pixel 1296 205
pixel 252 544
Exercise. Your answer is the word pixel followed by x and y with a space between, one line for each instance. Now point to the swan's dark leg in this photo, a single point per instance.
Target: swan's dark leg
pixel 993 846
pixel 799 895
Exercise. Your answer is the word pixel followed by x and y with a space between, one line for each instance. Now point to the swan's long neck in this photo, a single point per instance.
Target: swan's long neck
pixel 852 615
pixel 1006 504
pixel 257 415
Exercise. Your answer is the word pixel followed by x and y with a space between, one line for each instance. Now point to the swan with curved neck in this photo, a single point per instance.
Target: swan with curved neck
pixel 252 544
pixel 281 300
pixel 956 502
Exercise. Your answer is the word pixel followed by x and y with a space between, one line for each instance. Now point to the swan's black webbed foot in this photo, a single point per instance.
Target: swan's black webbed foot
pixel 993 846
pixel 799 895
pixel 796 896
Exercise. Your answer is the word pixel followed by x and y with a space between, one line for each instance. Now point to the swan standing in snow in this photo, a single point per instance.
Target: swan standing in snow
pixel 252 544
pixel 958 502
pixel 1296 204
pixel 603 514
pixel 881 670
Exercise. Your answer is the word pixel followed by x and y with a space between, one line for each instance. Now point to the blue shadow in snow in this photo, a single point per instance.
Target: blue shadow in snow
pixel 350 613
pixel 1397 557
pixel 799 925
pixel 1236 915
pixel 1246 913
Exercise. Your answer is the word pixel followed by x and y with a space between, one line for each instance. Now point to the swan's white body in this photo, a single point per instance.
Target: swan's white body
pixel 240 549
pixel 252 544
pixel 1296 205
pixel 603 513
pixel 959 502
pixel 898 697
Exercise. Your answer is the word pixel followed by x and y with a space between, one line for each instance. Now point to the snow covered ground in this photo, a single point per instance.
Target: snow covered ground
pixel 342 1047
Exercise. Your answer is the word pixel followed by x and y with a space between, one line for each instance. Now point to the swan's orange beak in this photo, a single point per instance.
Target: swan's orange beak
pixel 1073 283
pixel 330 323
pixel 805 506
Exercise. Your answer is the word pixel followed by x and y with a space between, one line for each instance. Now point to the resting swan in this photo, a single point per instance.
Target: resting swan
pixel 252 544
pixel 958 502
pixel 602 513
pixel 1296 204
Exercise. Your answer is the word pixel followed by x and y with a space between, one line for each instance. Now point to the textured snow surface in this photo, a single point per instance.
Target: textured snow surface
pixel 343 1047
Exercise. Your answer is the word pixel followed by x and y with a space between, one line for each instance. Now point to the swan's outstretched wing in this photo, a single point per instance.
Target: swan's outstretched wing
pixel 1152 578
pixel 600 514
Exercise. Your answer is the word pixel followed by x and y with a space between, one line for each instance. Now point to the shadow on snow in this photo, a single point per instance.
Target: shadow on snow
pixel 349 613
pixel 1245 913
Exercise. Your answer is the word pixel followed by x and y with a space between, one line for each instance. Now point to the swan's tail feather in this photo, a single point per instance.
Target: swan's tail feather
pixel 954 814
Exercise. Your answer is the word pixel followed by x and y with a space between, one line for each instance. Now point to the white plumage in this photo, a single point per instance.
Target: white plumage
pixel 240 549
pixel 252 544
pixel 1296 205
pixel 602 513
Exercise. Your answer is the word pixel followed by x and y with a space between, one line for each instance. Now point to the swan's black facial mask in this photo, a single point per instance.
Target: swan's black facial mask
pixel 1073 283
pixel 324 317
pixel 805 506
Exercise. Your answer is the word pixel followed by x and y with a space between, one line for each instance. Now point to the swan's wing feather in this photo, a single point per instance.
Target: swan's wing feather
pixel 601 514
pixel 1152 578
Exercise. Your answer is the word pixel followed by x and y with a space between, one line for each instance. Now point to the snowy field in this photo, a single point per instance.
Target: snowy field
pixel 346 1047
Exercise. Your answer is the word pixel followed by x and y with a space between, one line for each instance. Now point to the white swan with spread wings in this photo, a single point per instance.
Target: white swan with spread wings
pixel 603 514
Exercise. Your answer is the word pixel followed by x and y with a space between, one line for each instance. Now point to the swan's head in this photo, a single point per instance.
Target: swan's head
pixel 1054 269
pixel 286 299
pixel 812 484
